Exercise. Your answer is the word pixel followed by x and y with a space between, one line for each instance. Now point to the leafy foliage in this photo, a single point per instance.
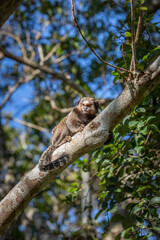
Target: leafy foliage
pixel 129 172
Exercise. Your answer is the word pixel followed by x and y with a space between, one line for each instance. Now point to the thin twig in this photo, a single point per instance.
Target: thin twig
pixel 11 90
pixel 133 61
pixel 58 75
pixel 125 79
pixel 39 33
pixel 41 55
pixel 102 60
pixel 124 59
pixel 138 29
pixel 31 125
pixel 54 106
pixel 117 4
pixel 53 50
pixel 17 38
pixel 60 59
pixel 147 137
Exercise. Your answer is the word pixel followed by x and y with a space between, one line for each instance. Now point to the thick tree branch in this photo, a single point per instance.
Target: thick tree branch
pixel 94 135
pixel 62 76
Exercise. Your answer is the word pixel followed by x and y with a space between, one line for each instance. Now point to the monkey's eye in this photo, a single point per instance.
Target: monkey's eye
pixel 86 104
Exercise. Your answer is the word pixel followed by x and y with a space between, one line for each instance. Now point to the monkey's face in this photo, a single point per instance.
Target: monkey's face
pixel 88 106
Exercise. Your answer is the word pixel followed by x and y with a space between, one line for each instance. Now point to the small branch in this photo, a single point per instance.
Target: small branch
pixel 60 59
pixel 16 38
pixel 102 101
pixel 138 29
pixel 11 90
pixel 41 55
pixel 124 59
pixel 133 61
pixel 147 137
pixel 124 78
pixel 117 4
pixel 102 60
pixel 30 125
pixel 59 75
pixel 54 106
pixel 50 54
pixel 39 33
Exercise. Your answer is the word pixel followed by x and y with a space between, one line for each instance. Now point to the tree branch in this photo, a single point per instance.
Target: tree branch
pixel 133 61
pixel 20 82
pixel 30 125
pixel 94 135
pixel 89 45
pixel 54 106
pixel 16 38
pixel 138 29
pixel 62 76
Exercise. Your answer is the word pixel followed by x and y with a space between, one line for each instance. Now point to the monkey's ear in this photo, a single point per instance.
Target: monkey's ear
pixel 97 105
pixel 79 99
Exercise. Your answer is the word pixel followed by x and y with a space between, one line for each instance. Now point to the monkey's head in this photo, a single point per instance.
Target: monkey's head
pixel 88 106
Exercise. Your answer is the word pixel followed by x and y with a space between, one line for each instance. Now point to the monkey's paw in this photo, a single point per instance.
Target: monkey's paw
pixel 80 129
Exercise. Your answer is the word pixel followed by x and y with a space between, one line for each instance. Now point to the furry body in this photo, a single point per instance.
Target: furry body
pixel 74 122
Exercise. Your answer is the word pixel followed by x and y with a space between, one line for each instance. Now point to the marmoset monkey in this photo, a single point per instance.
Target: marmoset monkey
pixel 74 122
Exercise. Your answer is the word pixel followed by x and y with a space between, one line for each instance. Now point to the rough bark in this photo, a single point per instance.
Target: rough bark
pixel 94 135
pixel 7 7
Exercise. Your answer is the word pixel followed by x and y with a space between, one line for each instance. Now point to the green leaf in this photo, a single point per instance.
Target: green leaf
pixel 128 34
pixel 154 200
pixel 140 225
pixel 145 57
pixel 141 124
pixel 141 110
pixel 136 209
pixel 98 214
pixel 140 189
pixel 139 149
pixel 150 118
pixel 133 123
pixel 126 233
pixel 157 228
pixel 157 48
pixel 142 1
pixel 144 130
pixel 115 73
pixel 155 127
pixel 143 8
pixel 114 209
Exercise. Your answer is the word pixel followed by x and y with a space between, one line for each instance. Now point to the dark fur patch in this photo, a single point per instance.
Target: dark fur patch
pixel 59 162
pixel 94 125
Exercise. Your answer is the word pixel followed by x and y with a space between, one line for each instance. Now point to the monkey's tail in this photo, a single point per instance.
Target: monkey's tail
pixel 59 162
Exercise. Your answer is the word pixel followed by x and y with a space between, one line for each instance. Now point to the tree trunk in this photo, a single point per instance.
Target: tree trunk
pixel 7 7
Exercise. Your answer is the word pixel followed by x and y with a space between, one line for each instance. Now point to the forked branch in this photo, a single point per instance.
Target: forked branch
pixel 89 45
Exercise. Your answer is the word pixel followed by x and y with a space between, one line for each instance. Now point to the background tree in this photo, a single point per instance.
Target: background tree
pixel 47 66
